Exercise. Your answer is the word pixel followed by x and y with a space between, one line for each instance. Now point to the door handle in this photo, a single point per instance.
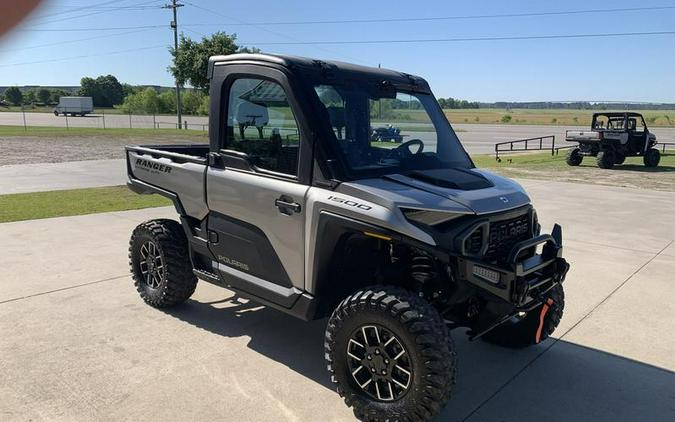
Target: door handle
pixel 286 205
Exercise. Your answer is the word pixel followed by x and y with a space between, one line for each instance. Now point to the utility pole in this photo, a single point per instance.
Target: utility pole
pixel 174 25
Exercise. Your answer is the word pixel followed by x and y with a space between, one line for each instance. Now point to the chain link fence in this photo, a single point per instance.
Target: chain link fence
pixel 102 120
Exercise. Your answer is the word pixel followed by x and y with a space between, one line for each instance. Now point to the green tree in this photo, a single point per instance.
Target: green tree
pixel 44 95
pixel 56 94
pixel 29 97
pixel 128 90
pixel 13 95
pixel 146 101
pixel 191 101
pixel 204 106
pixel 167 102
pixel 190 60
pixel 105 91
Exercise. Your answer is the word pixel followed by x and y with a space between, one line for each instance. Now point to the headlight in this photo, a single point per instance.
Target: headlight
pixel 427 217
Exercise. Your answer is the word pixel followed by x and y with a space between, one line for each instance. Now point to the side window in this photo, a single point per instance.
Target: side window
pixel 261 124
pixel 636 124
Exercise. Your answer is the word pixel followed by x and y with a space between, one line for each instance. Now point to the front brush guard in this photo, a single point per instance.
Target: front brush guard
pixel 521 280
pixel 523 283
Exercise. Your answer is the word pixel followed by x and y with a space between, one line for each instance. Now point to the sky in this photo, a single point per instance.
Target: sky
pixel 65 40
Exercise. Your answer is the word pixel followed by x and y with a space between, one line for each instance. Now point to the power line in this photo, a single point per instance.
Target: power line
pixel 440 40
pixel 85 56
pixel 78 9
pixel 378 20
pixel 443 18
pixel 262 28
pixel 117 28
pixel 73 41
pixel 85 14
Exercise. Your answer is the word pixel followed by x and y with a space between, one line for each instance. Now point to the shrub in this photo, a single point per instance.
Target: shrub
pixel 506 118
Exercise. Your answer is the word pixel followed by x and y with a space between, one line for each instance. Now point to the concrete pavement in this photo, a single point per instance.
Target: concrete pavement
pixel 21 178
pixel 80 345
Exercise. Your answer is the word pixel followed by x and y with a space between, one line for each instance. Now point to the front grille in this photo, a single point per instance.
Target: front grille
pixel 506 233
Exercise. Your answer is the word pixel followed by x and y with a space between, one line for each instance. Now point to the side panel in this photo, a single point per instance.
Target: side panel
pixel 249 198
pixel 186 180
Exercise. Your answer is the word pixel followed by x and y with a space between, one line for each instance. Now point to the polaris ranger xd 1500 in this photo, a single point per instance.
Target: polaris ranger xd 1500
pixel 295 206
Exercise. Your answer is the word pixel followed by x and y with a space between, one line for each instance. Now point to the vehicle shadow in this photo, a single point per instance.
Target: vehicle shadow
pixel 568 382
pixel 635 166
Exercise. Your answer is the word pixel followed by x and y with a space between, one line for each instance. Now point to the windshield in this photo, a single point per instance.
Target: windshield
pixel 383 131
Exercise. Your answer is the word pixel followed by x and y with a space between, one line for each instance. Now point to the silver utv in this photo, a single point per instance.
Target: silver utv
pixel 296 205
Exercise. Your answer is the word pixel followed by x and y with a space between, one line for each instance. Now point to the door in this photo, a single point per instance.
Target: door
pixel 257 210
pixel 637 134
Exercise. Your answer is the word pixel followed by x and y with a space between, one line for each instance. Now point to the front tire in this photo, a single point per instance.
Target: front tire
pixel 390 355
pixel 574 157
pixel 531 329
pixel 160 263
pixel 606 159
pixel 652 157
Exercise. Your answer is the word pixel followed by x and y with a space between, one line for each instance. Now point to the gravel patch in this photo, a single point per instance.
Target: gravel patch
pixel 33 149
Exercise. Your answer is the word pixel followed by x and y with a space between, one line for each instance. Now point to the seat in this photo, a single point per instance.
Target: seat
pixel 336 115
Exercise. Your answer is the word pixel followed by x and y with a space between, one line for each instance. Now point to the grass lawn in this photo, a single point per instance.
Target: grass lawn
pixel 30 206
pixel 543 166
pixel 547 161
pixel 48 131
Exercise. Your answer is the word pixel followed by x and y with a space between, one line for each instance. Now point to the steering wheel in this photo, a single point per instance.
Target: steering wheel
pixel 403 150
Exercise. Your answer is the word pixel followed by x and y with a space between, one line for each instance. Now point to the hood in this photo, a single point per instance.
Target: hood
pixel 468 191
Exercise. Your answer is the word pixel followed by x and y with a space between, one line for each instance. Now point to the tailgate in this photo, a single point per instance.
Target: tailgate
pixel 582 135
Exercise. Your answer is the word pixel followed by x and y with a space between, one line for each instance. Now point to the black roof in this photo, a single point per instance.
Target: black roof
pixel 337 68
pixel 618 114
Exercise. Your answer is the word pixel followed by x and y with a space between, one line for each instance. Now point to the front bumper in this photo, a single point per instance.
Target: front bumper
pixel 521 282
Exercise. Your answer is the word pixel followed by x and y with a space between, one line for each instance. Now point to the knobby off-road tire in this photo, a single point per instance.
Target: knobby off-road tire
pixel 525 332
pixel 160 263
pixel 574 157
pixel 385 328
pixel 652 157
pixel 619 159
pixel 606 159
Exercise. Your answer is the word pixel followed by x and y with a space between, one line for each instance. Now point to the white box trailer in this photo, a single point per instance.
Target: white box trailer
pixel 75 106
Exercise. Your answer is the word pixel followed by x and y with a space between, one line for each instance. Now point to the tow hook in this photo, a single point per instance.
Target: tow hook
pixel 542 315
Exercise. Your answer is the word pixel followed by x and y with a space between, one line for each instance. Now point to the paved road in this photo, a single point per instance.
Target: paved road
pixel 21 178
pixel 98 120
pixel 78 344
pixel 477 138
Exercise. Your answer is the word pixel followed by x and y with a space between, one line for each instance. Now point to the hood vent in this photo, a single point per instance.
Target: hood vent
pixel 462 179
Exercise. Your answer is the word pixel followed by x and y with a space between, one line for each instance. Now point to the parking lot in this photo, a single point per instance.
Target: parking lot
pixel 80 345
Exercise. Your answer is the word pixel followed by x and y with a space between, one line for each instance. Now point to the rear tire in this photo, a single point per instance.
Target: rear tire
pixel 619 159
pixel 652 157
pixel 574 157
pixel 364 336
pixel 605 159
pixel 160 263
pixel 525 331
